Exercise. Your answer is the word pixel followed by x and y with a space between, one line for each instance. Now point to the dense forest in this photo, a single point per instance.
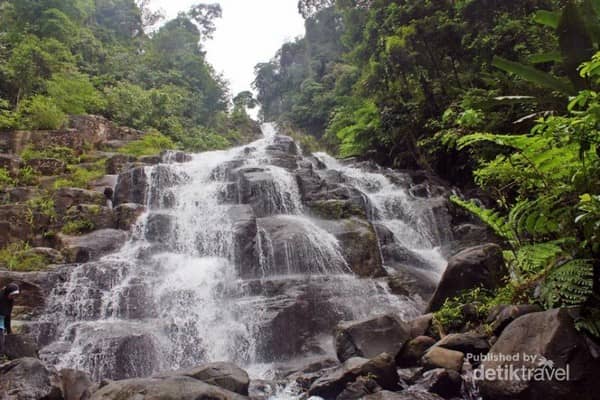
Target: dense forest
pixel 494 95
pixel 70 57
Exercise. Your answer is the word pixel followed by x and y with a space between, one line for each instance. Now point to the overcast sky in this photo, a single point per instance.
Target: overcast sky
pixel 249 32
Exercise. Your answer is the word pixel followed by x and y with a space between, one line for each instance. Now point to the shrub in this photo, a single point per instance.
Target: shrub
pixel 150 144
pixel 81 177
pixel 41 112
pixel 16 257
pixel 43 205
pixel 62 153
pixel 26 176
pixel 5 178
pixel 78 226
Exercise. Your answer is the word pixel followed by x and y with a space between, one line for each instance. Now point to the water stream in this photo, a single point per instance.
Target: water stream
pixel 230 262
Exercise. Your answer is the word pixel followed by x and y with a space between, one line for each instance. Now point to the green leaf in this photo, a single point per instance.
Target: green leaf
pixel 533 75
pixel 547 18
pixel 551 56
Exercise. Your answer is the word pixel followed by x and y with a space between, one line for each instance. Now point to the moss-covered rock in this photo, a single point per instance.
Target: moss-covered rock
pixel 336 209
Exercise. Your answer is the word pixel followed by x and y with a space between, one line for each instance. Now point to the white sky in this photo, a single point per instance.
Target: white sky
pixel 250 31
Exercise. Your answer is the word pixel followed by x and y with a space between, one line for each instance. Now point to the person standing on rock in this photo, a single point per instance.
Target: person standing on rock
pixel 7 298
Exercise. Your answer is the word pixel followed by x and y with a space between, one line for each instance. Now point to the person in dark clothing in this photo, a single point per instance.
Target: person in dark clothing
pixel 7 298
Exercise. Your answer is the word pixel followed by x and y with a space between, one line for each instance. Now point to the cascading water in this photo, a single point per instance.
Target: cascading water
pixel 230 262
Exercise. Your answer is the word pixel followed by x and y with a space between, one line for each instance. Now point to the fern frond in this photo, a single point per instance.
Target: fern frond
pixel 569 284
pixel 533 258
pixel 497 222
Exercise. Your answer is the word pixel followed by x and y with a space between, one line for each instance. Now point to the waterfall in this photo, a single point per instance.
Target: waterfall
pixel 232 261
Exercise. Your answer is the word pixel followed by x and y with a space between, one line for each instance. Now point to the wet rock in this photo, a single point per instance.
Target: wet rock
pixel 467 343
pixel 413 351
pixel 284 144
pixel 162 181
pixel 502 315
pixel 65 198
pixel 368 338
pixel 443 382
pixel 481 266
pixel 407 281
pixel 20 346
pixel 337 209
pixel 47 166
pixel 117 163
pixel 92 246
pixel 76 385
pixel 472 234
pixel 28 379
pixel 420 326
pixel 359 244
pixel 132 187
pixel 96 217
pixel 150 160
pixel 257 188
pixel 397 256
pixel 244 238
pixel 227 171
pixel 127 214
pixel 405 395
pixel 546 337
pixel 169 388
pixel 159 227
pixel 227 376
pixel 438 357
pixel 261 389
pixel 382 368
pixel 361 387
pixel 171 156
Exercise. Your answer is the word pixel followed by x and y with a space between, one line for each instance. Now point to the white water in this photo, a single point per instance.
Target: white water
pixel 179 300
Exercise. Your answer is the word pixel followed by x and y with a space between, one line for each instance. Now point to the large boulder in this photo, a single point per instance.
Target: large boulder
pixel 20 346
pixel 467 343
pixel 501 316
pixel 244 239
pixel 481 266
pixel 439 357
pixel 76 385
pixel 65 198
pixel 164 388
pixel 19 223
pixel 95 217
pixel 132 187
pixel 117 163
pixel 359 244
pixel 382 368
pixel 80 249
pixel 413 351
pixel 224 375
pixel 29 379
pixel 127 214
pixel 368 338
pixel 537 342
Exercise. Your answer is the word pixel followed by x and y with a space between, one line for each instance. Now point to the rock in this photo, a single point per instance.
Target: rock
pixel 101 184
pixel 405 395
pixel 76 385
pixel 127 214
pixel 413 351
pixel 116 164
pixel 47 166
pixel 97 129
pixel 20 346
pixel 368 338
pixel 159 227
pixel 545 337
pixel 150 160
pixel 65 198
pixel 80 249
pixel 19 223
pixel 35 289
pixel 224 375
pixel 172 156
pixel 420 326
pixel 19 194
pixel 28 379
pixel 467 343
pixel 10 162
pixel 481 266
pixel 359 244
pixel 256 187
pixel 336 209
pixel 96 217
pixel 444 382
pixel 261 389
pixel 438 357
pixel 49 255
pixel 382 368
pixel 132 187
pixel 407 281
pixel 169 388
pixel 244 239
pixel 361 387
pixel 501 316
pixel 283 152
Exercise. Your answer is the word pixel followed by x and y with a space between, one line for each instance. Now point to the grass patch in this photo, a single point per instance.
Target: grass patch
pixel 5 179
pixel 78 227
pixel 81 177
pixel 150 144
pixel 43 205
pixel 62 153
pixel 15 257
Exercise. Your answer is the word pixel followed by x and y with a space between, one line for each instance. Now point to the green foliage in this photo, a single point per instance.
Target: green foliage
pixel 152 143
pixel 41 112
pixel 81 177
pixel 26 176
pixel 74 93
pixel 568 284
pixel 77 227
pixel 6 178
pixel 16 257
pixel 62 153
pixel 43 205
pixel 451 316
